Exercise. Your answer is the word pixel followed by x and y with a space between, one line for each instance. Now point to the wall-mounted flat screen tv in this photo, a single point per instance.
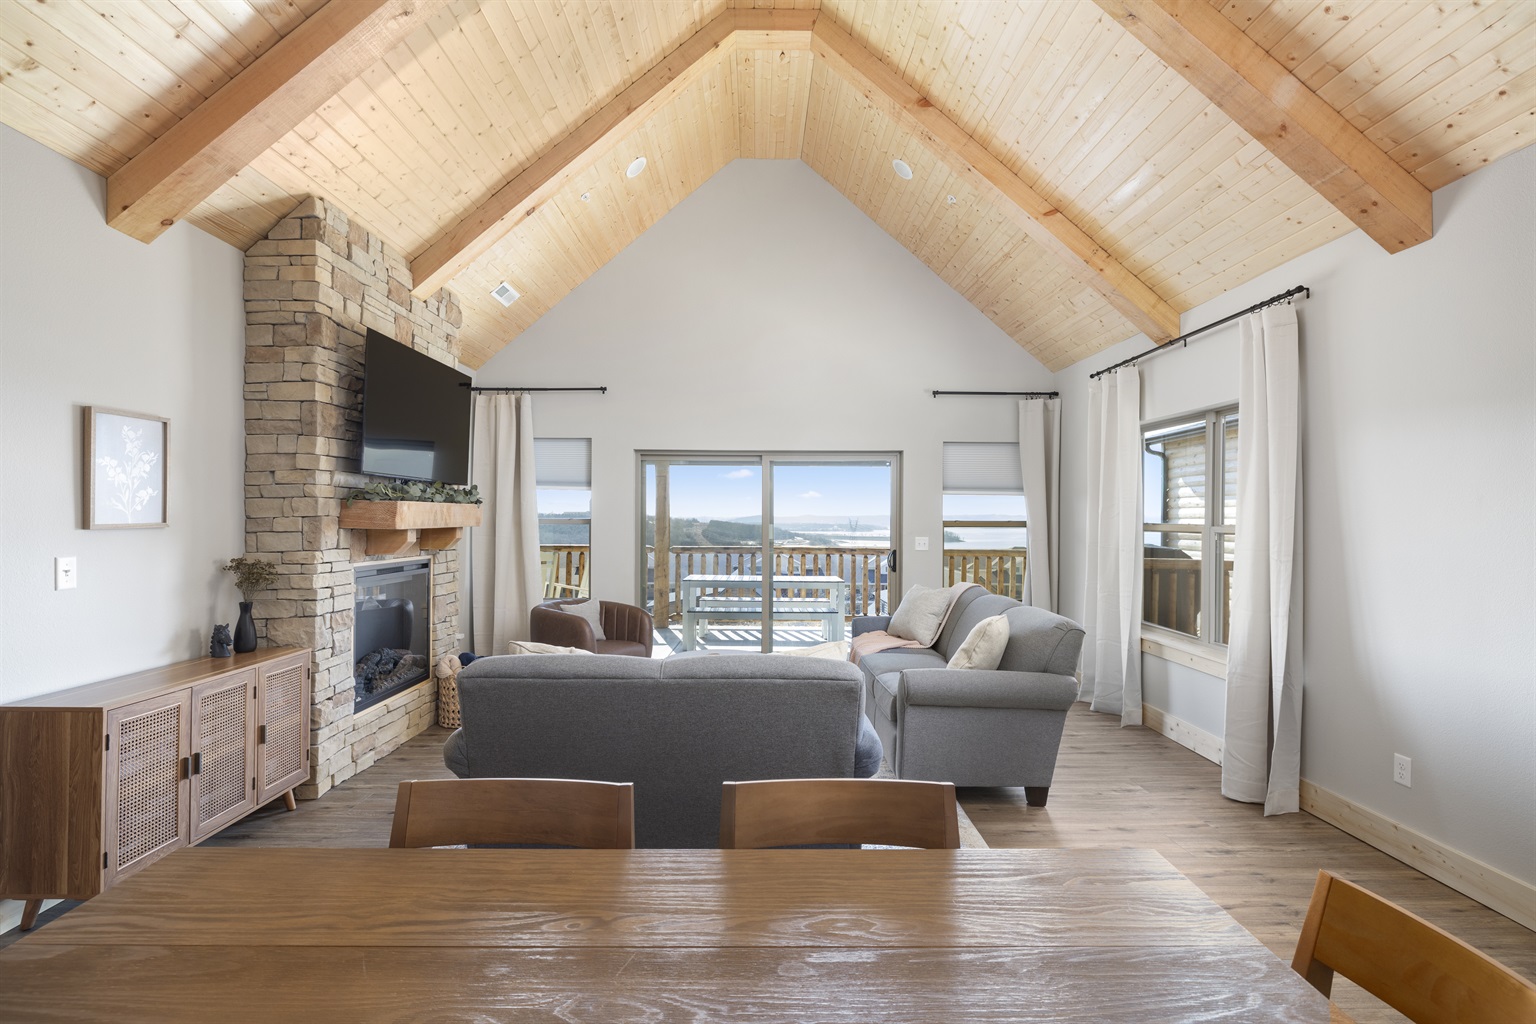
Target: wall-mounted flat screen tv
pixel 415 414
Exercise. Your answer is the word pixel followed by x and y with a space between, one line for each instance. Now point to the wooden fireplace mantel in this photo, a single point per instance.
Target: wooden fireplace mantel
pixel 393 526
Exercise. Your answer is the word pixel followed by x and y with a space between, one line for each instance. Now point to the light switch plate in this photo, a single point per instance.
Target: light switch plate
pixel 64 573
pixel 919 543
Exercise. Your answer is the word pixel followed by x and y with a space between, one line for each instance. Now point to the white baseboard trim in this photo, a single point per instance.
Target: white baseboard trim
pixel 1182 733
pixel 10 912
pixel 1488 885
pixel 1469 876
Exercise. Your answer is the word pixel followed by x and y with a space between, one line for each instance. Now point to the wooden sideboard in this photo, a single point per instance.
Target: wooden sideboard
pixel 101 780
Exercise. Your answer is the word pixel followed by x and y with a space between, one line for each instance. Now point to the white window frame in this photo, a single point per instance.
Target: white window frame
pixel 1207 655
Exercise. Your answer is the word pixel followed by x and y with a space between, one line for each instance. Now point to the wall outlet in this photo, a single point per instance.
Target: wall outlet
pixel 919 543
pixel 64 573
pixel 1402 770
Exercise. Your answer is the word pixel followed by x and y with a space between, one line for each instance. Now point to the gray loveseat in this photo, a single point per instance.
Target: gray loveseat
pixel 973 727
pixel 676 728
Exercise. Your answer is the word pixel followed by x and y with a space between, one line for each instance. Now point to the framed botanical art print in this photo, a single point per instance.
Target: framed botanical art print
pixel 125 469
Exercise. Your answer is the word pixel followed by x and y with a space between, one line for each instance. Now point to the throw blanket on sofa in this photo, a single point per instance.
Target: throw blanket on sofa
pixel 879 640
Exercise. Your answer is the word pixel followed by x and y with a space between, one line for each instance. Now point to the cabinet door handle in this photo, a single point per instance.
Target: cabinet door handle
pixel 186 767
pixel 261 734
pixel 197 763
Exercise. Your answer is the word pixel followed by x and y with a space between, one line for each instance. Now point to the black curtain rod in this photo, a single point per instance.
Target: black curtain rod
pixel 481 390
pixel 998 394
pixel 1300 289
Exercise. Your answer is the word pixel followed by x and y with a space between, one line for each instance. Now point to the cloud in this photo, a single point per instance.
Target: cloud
pixel 811 494
pixel 738 474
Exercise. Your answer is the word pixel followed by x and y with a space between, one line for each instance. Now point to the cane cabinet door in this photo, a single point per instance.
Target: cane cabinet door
pixel 282 752
pixel 223 752
pixel 147 791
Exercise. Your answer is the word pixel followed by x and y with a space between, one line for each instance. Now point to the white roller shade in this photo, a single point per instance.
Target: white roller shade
pixel 982 467
pixel 563 462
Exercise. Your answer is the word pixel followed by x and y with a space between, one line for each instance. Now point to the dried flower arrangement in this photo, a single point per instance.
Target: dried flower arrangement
pixel 252 575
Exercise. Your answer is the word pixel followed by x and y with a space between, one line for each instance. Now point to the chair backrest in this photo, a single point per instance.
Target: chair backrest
pixel 1429 976
pixel 806 812
pixel 533 812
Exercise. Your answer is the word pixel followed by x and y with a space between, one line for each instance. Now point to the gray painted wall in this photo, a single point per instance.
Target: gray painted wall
pixel 1419 489
pixel 89 316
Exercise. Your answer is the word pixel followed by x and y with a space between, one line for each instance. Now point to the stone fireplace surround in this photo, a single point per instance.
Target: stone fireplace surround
pixel 312 288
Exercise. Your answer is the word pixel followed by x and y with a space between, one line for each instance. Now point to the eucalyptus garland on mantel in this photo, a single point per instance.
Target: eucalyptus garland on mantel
pixel 417 490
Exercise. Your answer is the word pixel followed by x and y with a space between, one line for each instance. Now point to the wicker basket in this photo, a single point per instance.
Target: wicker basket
pixel 448 702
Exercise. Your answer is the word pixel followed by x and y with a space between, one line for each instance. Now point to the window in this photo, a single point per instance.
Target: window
pixel 563 472
pixel 984 522
pixel 1189 490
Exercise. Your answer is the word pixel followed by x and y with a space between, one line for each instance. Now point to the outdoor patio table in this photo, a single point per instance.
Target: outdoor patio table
pixel 710 596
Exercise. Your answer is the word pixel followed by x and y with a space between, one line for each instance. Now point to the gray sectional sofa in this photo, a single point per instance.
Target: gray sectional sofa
pixel 676 728
pixel 973 727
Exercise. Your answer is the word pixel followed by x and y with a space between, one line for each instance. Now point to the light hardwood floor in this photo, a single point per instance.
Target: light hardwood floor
pixel 1114 787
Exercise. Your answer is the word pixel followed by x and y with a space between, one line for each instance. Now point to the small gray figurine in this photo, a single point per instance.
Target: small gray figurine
pixel 219 644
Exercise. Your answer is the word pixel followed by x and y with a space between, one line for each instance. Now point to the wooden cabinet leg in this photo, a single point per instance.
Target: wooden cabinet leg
pixel 29 914
pixel 288 801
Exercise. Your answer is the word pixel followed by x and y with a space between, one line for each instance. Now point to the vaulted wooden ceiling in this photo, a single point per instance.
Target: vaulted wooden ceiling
pixel 1081 170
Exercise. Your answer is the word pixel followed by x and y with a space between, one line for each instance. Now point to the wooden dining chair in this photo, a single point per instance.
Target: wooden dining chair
pixel 1426 974
pixel 807 812
pixel 532 812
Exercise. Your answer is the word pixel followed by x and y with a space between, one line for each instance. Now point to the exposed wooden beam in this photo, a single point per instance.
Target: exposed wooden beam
pixel 256 108
pixel 1291 121
pixel 969 159
pixel 517 200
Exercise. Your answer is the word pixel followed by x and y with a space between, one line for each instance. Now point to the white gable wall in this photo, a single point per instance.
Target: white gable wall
pixel 1420 513
pixel 765 312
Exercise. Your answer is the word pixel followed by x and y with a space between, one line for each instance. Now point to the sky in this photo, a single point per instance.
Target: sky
pixel 734 491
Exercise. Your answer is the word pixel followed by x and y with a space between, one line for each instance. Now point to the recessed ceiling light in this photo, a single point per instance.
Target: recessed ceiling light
pixel 902 170
pixel 635 167
pixel 951 200
pixel 504 294
pixel 586 197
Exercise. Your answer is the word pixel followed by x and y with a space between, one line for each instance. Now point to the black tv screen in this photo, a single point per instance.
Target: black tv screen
pixel 415 414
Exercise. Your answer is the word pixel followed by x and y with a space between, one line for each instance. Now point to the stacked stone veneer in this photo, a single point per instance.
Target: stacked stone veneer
pixel 312 288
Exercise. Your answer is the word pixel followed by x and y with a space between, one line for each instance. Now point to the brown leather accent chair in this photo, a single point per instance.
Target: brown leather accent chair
pixel 627 628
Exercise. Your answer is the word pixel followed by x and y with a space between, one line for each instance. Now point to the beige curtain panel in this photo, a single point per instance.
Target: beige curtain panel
pixel 504 550
pixel 1040 460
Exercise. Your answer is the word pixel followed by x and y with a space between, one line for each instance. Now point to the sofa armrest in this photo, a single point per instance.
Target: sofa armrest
pixel 547 624
pixel 976 688
pixel 869 623
pixel 455 754
pixel 627 622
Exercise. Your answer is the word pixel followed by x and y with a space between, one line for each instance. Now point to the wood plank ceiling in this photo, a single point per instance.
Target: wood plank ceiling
pixel 1009 114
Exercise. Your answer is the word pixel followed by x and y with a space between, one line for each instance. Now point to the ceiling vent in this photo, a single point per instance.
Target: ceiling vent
pixel 504 294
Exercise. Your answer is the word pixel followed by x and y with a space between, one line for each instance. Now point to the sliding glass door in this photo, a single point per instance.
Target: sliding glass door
pixel 765 551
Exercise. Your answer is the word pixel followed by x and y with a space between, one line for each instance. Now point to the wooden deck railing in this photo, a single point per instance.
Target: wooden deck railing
pixel 1171 594
pixel 1000 571
pixel 865 569
pixel 565 569
pixel 1171 597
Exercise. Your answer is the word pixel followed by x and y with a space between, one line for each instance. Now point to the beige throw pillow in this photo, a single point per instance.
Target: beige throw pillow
pixel 529 647
pixel 983 648
pixel 591 611
pixel 920 615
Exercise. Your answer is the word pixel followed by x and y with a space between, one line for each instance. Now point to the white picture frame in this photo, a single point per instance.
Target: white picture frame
pixel 126 469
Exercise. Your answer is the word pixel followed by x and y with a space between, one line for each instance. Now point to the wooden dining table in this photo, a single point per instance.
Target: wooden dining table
pixel 609 936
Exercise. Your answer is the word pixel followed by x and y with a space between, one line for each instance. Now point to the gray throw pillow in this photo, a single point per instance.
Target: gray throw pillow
pixel 591 611
pixel 920 615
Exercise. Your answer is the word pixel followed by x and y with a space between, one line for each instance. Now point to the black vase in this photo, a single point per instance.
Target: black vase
pixel 245 630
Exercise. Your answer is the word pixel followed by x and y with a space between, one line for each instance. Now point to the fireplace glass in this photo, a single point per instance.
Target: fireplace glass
pixel 391 629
